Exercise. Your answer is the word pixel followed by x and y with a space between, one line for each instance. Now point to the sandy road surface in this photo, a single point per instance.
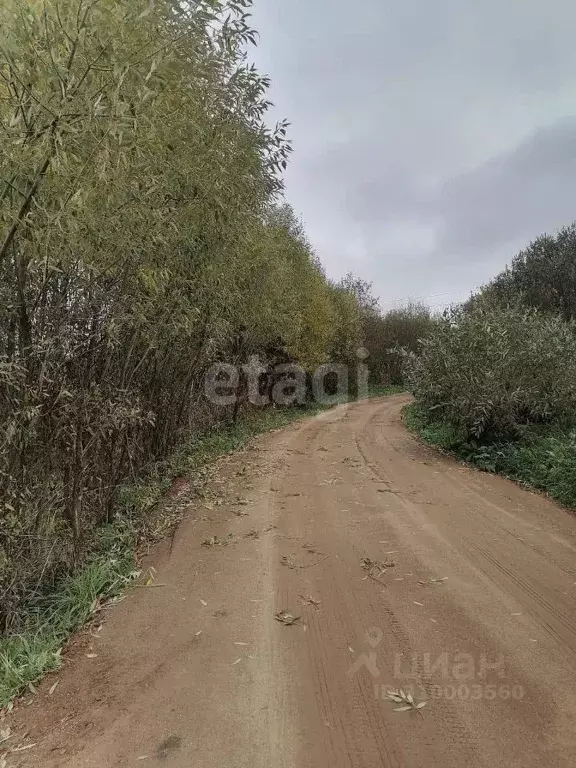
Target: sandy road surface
pixel 199 674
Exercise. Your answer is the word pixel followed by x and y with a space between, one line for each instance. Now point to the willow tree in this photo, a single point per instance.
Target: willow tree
pixel 142 234
pixel 135 168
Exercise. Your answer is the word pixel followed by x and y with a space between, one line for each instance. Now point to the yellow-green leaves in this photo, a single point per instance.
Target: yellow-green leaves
pixel 141 237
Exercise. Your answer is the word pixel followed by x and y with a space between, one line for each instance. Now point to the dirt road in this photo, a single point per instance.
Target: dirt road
pixel 474 612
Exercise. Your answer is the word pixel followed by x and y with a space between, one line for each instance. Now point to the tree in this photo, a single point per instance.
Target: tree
pixel 143 237
pixel 543 276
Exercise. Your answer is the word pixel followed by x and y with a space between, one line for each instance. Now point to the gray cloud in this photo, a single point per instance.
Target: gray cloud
pixel 513 197
pixel 431 140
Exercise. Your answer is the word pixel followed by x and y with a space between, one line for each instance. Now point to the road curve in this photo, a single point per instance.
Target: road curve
pixel 474 613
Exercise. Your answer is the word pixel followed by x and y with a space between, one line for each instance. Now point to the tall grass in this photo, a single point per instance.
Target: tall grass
pixel 52 618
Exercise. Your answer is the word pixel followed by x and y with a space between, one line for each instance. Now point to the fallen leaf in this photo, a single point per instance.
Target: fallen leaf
pixel 53 688
pixel 370 566
pixel 204 603
pixel 23 748
pixel 216 541
pixel 311 600
pixel 433 582
pixel 286 618
pixel 406 700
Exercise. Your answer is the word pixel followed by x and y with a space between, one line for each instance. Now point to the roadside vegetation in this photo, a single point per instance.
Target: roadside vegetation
pixel 145 513
pixel 495 380
pixel 144 236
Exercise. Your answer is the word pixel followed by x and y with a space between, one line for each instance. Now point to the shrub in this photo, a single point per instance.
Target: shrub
pixel 489 371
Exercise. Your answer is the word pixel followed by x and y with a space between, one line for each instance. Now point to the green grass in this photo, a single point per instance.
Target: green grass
pixel 381 390
pixel 432 432
pixel 26 657
pixel 52 618
pixel 543 458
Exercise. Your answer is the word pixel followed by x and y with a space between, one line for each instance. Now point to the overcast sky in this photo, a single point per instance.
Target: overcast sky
pixel 432 140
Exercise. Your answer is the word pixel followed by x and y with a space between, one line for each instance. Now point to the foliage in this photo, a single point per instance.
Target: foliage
pixel 540 458
pixel 432 431
pixel 36 649
pixel 546 461
pixel 381 390
pixel 394 336
pixel 495 382
pixel 389 337
pixel 142 238
pixel 543 277
pixel 491 371
pixel 55 614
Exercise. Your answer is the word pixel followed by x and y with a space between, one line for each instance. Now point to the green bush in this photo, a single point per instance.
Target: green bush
pixel 545 462
pixel 539 457
pixel 491 371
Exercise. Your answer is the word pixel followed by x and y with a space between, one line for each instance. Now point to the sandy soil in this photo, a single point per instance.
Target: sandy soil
pixel 199 674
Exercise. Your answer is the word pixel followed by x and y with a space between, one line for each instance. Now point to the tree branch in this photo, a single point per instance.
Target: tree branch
pixel 25 207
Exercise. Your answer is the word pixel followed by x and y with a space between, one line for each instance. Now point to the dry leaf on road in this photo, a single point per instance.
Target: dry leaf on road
pixel 285 617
